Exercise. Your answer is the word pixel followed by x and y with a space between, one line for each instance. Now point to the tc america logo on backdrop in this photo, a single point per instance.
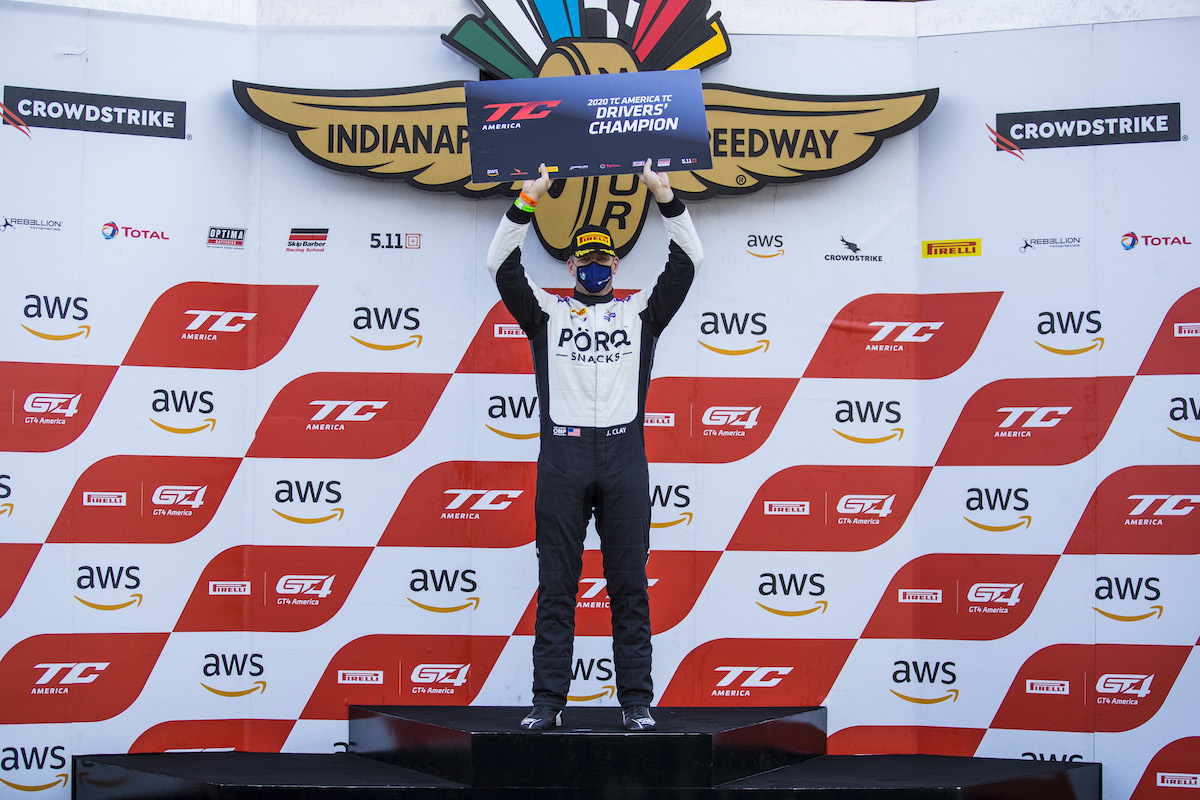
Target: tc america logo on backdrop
pixel 418 134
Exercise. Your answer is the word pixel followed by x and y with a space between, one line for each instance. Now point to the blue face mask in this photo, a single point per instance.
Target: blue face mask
pixel 593 277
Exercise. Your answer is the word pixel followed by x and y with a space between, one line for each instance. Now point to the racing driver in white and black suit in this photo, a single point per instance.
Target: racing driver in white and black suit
pixel 591 358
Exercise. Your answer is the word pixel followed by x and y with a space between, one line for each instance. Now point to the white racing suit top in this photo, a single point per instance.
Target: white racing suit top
pixel 592 355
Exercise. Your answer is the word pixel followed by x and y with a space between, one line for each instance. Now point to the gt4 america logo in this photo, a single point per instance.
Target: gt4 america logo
pixel 418 134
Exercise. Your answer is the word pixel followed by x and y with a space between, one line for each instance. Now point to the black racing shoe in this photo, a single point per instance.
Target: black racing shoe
pixel 637 718
pixel 542 718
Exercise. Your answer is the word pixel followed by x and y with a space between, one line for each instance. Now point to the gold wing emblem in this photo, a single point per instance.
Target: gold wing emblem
pixel 759 138
pixel 416 134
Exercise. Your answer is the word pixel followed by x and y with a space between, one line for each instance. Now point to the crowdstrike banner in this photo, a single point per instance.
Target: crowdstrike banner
pixel 98 113
pixel 1084 127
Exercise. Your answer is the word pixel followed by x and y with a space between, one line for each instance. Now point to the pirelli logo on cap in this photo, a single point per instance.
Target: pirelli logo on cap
pixel 951 248
pixel 594 237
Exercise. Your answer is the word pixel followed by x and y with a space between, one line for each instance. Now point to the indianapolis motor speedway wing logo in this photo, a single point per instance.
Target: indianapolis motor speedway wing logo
pixel 418 134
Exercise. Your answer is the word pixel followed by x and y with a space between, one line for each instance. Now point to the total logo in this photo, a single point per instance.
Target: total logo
pixel 1131 240
pixel 110 230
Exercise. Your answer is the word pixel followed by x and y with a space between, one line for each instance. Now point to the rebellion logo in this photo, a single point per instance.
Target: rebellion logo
pixel 419 134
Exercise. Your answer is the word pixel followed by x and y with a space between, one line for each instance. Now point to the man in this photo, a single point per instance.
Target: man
pixel 591 360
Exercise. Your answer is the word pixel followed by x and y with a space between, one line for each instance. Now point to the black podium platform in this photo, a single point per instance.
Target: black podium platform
pixel 477 752
pixel 689 747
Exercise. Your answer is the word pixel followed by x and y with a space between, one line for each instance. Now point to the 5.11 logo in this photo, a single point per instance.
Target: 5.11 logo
pixel 395 241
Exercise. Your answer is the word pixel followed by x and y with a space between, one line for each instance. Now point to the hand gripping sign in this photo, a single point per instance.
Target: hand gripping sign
pixel 581 125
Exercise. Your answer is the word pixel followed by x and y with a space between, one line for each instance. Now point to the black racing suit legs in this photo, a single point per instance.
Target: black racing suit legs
pixel 602 470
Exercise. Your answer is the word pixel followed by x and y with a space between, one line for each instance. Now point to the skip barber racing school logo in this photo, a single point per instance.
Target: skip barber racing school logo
pixel 418 134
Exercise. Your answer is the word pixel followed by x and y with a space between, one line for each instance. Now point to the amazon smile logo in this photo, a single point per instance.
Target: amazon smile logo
pixel 951 695
pixel 1025 520
pixel 472 603
pixel 413 341
pixel 210 424
pixel 335 513
pixel 1154 612
pixel 59 780
pixel 419 134
pixel 259 686
pixel 134 600
pixel 818 606
pixel 82 330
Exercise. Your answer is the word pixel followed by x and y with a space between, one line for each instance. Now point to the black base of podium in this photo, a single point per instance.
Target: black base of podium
pixel 476 753
pixel 689 747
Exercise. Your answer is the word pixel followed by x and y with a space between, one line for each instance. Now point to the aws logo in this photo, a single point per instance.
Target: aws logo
pixel 233 666
pixel 296 491
pixel 869 412
pixel 521 410
pixel 444 581
pixel 601 669
pixel 1053 323
pixel 923 681
pixel 6 508
pixel 788 585
pixel 674 496
pixel 388 321
pixel 170 401
pixel 26 759
pixel 1126 588
pixel 1184 409
pixel 419 134
pixel 998 500
pixel 108 578
pixel 734 324
pixel 54 308
pixel 767 241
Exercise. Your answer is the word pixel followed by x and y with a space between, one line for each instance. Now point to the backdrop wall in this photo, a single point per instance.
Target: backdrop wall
pixel 924 436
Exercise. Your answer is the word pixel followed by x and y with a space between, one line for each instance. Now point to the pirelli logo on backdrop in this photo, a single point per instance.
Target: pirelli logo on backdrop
pixel 97 113
pixel 951 248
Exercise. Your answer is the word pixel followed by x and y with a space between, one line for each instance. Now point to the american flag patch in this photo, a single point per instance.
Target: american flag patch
pixel 572 431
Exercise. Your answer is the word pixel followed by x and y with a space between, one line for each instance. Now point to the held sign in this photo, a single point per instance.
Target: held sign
pixel 581 125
